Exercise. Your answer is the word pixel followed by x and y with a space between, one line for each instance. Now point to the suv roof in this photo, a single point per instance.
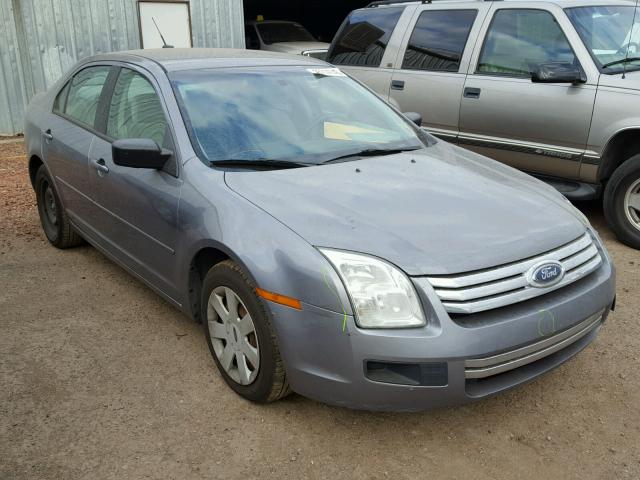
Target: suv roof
pixel 560 3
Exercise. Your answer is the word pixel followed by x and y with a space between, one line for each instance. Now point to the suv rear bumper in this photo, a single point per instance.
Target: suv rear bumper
pixel 363 369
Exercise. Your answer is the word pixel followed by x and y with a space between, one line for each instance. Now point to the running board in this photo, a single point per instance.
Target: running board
pixel 572 189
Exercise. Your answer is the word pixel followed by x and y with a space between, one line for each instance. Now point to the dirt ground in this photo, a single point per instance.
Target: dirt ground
pixel 101 379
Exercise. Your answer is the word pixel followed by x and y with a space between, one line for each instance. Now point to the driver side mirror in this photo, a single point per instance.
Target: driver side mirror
pixel 414 117
pixel 558 73
pixel 139 153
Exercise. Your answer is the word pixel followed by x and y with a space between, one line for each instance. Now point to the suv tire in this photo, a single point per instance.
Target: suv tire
pixel 228 339
pixel 621 187
pixel 53 216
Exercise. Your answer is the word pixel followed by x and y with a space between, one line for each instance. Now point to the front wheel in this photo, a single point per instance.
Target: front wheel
pixel 622 202
pixel 240 336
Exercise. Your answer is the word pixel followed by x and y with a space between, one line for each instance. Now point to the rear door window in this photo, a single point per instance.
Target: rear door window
pixel 438 40
pixel 519 40
pixel 364 37
pixel 84 93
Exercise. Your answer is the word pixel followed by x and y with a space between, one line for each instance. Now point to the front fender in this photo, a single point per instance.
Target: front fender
pixel 275 258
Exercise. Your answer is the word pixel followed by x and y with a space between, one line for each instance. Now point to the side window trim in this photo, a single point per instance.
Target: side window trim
pixel 488 30
pixel 105 100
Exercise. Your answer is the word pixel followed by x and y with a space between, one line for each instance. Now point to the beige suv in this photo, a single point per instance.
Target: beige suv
pixel 549 87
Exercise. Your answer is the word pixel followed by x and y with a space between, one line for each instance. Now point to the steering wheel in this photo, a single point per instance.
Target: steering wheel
pixel 625 48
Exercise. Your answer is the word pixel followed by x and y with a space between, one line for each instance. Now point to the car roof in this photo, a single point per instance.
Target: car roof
pixel 560 3
pixel 172 59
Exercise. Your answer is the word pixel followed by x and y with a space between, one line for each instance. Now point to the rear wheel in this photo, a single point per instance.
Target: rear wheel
pixel 53 217
pixel 240 336
pixel 622 202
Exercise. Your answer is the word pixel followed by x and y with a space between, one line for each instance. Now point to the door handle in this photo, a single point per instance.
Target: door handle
pixel 100 166
pixel 397 84
pixel 48 136
pixel 470 92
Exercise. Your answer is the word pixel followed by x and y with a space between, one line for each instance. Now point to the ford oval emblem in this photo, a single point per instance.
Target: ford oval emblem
pixel 545 274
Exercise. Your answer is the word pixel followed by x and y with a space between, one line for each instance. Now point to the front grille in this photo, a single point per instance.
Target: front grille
pixel 504 362
pixel 508 284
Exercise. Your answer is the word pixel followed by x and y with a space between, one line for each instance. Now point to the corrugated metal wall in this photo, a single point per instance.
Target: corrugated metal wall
pixel 41 39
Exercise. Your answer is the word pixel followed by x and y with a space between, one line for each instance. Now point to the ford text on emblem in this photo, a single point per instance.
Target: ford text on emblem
pixel 545 274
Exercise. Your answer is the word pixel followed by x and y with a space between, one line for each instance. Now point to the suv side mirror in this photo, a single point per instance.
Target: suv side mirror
pixel 557 73
pixel 139 153
pixel 414 117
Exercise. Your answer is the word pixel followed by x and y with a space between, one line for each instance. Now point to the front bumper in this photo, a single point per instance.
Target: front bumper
pixel 329 364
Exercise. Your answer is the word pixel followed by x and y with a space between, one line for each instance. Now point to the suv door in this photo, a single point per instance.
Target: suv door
pixel 68 136
pixel 434 62
pixel 138 207
pixel 537 127
pixel 367 44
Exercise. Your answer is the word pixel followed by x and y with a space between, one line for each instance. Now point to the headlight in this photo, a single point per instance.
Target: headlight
pixel 382 296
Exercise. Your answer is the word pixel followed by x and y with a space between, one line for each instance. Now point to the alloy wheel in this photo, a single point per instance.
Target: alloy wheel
pixel 632 204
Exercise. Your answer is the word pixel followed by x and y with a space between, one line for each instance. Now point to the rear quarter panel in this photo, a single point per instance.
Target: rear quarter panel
pixel 616 109
pixel 36 110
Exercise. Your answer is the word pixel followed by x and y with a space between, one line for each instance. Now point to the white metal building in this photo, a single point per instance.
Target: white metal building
pixel 41 39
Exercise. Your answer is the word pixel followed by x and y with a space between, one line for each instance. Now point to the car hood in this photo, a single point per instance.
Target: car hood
pixel 451 211
pixel 630 82
pixel 296 47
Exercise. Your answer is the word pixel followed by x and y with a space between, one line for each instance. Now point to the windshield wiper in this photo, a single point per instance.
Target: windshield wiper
pixel 259 163
pixel 372 152
pixel 620 62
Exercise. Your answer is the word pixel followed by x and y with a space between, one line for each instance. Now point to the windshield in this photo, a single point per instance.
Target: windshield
pixel 607 32
pixel 278 32
pixel 302 114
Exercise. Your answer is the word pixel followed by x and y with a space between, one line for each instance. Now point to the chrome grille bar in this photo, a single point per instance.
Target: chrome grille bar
pixel 488 366
pixel 495 288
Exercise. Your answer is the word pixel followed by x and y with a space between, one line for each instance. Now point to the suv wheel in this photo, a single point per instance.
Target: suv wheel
pixel 53 217
pixel 622 202
pixel 240 336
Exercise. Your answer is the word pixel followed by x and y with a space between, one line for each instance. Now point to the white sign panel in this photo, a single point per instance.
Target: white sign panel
pixel 173 22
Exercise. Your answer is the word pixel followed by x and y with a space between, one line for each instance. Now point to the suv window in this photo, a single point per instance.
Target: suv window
pixel 135 110
pixel 85 89
pixel 364 37
pixel 438 40
pixel 518 40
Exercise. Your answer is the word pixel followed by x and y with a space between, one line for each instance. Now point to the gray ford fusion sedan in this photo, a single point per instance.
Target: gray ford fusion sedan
pixel 327 244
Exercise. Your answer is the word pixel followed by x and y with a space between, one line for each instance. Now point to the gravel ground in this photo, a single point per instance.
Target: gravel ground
pixel 100 379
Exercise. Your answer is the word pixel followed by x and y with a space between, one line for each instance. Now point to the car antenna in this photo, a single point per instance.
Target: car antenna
pixel 633 24
pixel 164 43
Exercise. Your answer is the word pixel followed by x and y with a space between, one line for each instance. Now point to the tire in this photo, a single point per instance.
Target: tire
pixel 262 383
pixel 53 216
pixel 623 219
